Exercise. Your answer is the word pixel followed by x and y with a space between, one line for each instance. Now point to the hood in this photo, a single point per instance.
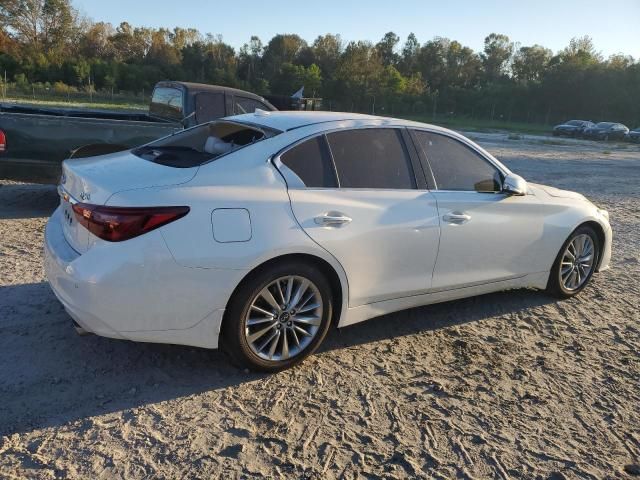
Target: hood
pixel 558 193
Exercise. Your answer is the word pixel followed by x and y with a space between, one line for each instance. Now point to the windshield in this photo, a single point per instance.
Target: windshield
pixel 604 124
pixel 575 123
pixel 201 144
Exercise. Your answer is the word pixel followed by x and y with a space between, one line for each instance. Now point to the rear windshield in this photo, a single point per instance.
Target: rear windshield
pixel 167 102
pixel 604 124
pixel 202 144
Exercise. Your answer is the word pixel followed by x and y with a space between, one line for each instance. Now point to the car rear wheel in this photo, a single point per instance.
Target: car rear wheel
pixel 575 263
pixel 278 317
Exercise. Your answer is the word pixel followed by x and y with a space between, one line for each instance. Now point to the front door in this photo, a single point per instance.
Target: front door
pixel 486 235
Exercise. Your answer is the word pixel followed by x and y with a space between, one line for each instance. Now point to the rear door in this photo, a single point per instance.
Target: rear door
pixel 486 235
pixel 356 193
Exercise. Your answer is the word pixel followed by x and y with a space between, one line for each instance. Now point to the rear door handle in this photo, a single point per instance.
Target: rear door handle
pixel 456 218
pixel 332 219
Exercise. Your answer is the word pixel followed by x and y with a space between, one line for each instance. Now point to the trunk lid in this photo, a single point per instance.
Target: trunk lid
pixel 95 180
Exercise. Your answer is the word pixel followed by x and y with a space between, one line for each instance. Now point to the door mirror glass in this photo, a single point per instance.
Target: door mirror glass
pixel 514 185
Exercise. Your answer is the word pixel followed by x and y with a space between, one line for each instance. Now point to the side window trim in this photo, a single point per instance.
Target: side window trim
pixel 425 160
pixel 422 179
pixel 333 162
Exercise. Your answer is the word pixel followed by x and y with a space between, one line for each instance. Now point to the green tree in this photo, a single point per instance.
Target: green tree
pixel 386 49
pixel 409 55
pixel 530 63
pixel 496 55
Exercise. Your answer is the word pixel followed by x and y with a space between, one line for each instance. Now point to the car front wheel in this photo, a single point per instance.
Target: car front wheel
pixel 575 263
pixel 277 317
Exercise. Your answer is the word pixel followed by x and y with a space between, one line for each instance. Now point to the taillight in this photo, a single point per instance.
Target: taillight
pixel 115 224
pixel 3 142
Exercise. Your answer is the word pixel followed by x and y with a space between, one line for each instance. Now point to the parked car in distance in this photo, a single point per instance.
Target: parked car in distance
pixel 572 128
pixel 258 232
pixel 634 135
pixel 38 139
pixel 606 131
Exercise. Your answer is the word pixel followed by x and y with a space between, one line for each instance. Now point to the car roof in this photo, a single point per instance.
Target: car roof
pixel 290 120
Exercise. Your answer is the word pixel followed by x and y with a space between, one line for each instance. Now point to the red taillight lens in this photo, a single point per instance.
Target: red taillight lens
pixel 115 224
pixel 3 142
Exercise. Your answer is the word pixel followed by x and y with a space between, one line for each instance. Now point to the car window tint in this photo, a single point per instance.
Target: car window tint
pixel 371 158
pixel 312 163
pixel 209 106
pixel 455 166
pixel 248 105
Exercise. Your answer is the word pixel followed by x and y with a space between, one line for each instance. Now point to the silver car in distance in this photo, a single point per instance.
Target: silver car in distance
pixel 258 232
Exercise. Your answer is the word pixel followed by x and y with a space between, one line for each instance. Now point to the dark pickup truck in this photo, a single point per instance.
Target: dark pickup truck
pixel 34 141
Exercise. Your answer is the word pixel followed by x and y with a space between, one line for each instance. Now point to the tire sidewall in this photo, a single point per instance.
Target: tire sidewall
pixel 234 338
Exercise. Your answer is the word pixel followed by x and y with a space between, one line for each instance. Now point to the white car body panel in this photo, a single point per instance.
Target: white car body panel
pixel 389 248
pixel 501 239
pixel 172 285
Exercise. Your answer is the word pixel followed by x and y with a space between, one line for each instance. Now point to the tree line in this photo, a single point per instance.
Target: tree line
pixel 48 44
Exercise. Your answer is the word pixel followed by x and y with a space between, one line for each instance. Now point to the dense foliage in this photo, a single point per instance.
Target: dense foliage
pixel 45 43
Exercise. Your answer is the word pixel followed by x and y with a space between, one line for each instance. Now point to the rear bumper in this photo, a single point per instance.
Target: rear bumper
pixel 70 287
pixel 135 290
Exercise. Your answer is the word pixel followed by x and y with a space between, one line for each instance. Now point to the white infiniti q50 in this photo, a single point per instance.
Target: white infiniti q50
pixel 257 232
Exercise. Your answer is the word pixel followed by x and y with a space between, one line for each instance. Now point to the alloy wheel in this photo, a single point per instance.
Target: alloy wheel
pixel 284 318
pixel 577 262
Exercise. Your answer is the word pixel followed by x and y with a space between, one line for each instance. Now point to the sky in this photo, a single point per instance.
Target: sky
pixel 614 25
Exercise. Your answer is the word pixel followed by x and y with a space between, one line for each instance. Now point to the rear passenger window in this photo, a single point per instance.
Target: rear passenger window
pixel 312 163
pixel 371 158
pixel 455 166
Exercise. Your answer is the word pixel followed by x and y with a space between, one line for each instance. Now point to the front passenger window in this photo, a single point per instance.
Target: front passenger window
pixel 455 166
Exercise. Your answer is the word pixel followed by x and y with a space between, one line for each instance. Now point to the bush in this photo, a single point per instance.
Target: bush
pixel 62 88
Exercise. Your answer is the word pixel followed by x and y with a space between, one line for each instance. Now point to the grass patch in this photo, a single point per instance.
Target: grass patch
pixel 478 125
pixel 116 104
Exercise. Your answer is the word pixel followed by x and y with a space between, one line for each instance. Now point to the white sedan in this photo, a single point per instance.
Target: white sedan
pixel 257 232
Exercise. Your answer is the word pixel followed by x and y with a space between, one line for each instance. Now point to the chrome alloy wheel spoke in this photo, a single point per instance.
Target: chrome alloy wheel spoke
pixel 577 262
pixel 283 318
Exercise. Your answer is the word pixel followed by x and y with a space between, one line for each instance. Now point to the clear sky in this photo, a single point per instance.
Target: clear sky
pixel 614 25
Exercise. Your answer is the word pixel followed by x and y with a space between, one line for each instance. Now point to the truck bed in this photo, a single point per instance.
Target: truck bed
pixel 38 139
pixel 132 115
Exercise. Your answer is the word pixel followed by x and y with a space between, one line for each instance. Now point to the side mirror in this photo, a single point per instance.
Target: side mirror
pixel 514 185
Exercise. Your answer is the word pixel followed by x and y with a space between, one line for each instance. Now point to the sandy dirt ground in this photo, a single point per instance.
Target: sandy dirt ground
pixel 508 385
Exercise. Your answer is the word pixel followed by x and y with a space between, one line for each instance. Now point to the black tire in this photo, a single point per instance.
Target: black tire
pixel 555 285
pixel 234 339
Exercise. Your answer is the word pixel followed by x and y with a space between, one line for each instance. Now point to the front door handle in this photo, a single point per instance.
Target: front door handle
pixel 456 218
pixel 332 219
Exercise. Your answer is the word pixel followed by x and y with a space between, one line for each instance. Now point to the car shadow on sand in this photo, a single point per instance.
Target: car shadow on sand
pixel 51 376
